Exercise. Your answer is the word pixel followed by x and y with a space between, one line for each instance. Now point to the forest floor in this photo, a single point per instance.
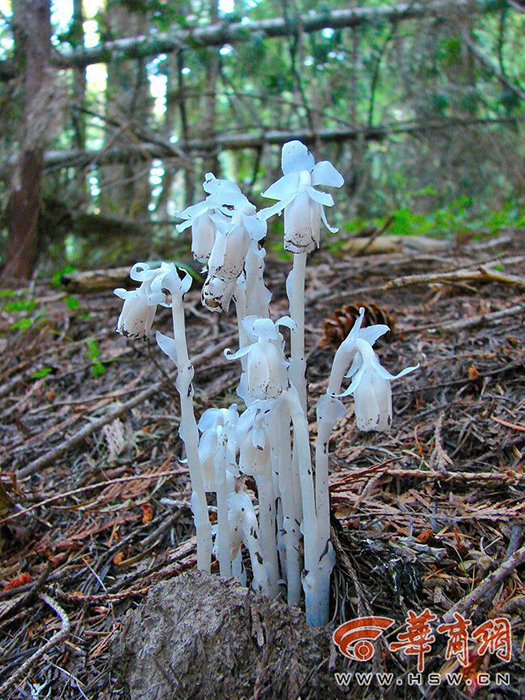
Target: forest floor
pixel 94 502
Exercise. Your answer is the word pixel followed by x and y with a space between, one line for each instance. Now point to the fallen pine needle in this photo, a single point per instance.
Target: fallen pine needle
pixel 121 480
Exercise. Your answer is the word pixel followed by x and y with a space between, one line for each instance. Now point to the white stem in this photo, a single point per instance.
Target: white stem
pixel 190 436
pixel 257 295
pixel 267 529
pixel 295 289
pixel 251 539
pixel 325 424
pixel 314 605
pixel 223 525
pixel 280 427
pixel 238 570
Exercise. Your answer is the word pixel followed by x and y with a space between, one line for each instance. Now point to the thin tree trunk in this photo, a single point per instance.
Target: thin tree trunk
pixel 211 162
pixel 126 190
pixel 32 35
pixel 79 82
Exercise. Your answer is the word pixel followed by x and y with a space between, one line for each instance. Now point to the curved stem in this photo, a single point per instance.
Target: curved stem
pixel 223 525
pixel 190 436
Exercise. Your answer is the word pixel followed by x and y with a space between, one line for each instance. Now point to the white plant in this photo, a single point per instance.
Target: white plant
pixel 287 536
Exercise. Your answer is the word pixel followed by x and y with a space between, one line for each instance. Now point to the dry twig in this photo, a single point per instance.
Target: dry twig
pixel 55 639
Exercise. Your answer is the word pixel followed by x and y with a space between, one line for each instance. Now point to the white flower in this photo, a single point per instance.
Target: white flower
pixel 302 203
pixel 254 446
pixel 140 305
pixel 371 384
pixel 212 422
pixel 266 375
pixel 234 237
pixel 217 294
pixel 223 199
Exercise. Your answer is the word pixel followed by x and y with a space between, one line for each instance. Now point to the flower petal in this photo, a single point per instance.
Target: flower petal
pixel 372 333
pixel 167 345
pixel 321 197
pixel 212 185
pixel 385 374
pixel 355 382
pixel 264 328
pixel 296 157
pixel 255 227
pixel 139 271
pixel 324 173
pixel 229 355
pixel 332 229
pixel 286 321
pixel 122 293
pixel 284 187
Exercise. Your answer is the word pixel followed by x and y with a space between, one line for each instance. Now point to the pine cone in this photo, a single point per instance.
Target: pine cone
pixel 336 329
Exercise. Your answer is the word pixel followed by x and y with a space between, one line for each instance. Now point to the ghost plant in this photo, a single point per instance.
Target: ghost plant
pixel 265 445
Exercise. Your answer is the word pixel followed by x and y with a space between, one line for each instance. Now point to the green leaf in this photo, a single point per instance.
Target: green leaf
pixel 41 373
pixel 57 276
pixel 23 324
pixel 72 302
pixel 97 368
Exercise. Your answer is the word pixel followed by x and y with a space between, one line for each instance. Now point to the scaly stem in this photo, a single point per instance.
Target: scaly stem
pixel 223 525
pixel 332 409
pixel 295 290
pixel 190 436
pixel 267 530
pixel 315 607
pixel 280 427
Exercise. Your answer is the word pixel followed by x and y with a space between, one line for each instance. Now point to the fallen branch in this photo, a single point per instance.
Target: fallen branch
pixel 74 492
pixel 481 319
pixel 256 140
pixel 506 569
pixel 55 639
pixel 220 33
pixel 482 274
pixel 119 410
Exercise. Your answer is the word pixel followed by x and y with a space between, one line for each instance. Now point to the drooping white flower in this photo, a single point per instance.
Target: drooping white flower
pixel 234 237
pixel 303 204
pixel 140 305
pixel 212 421
pixel 371 384
pixel 223 199
pixel 254 445
pixel 217 294
pixel 266 375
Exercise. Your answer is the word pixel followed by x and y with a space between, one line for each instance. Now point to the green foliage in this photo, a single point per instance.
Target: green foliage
pixel 41 373
pixel 57 276
pixel 20 305
pixel 72 303
pixel 92 352
pixel 459 216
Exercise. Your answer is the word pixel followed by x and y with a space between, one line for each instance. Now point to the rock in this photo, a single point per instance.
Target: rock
pixel 199 636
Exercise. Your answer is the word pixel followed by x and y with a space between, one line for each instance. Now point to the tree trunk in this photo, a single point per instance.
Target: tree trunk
pixel 126 189
pixel 31 20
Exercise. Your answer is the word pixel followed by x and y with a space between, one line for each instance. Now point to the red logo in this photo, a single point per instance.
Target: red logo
pixel 353 638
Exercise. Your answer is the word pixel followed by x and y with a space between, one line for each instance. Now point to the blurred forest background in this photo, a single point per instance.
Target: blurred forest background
pixel 111 111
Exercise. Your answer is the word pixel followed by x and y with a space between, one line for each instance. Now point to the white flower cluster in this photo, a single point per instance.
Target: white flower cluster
pixel 266 445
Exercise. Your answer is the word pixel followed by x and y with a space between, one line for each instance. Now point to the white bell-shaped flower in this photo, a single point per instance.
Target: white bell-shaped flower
pixel 213 420
pixel 303 204
pixel 254 445
pixel 371 387
pixel 266 369
pixel 232 241
pixel 217 294
pixel 223 199
pixel 140 305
